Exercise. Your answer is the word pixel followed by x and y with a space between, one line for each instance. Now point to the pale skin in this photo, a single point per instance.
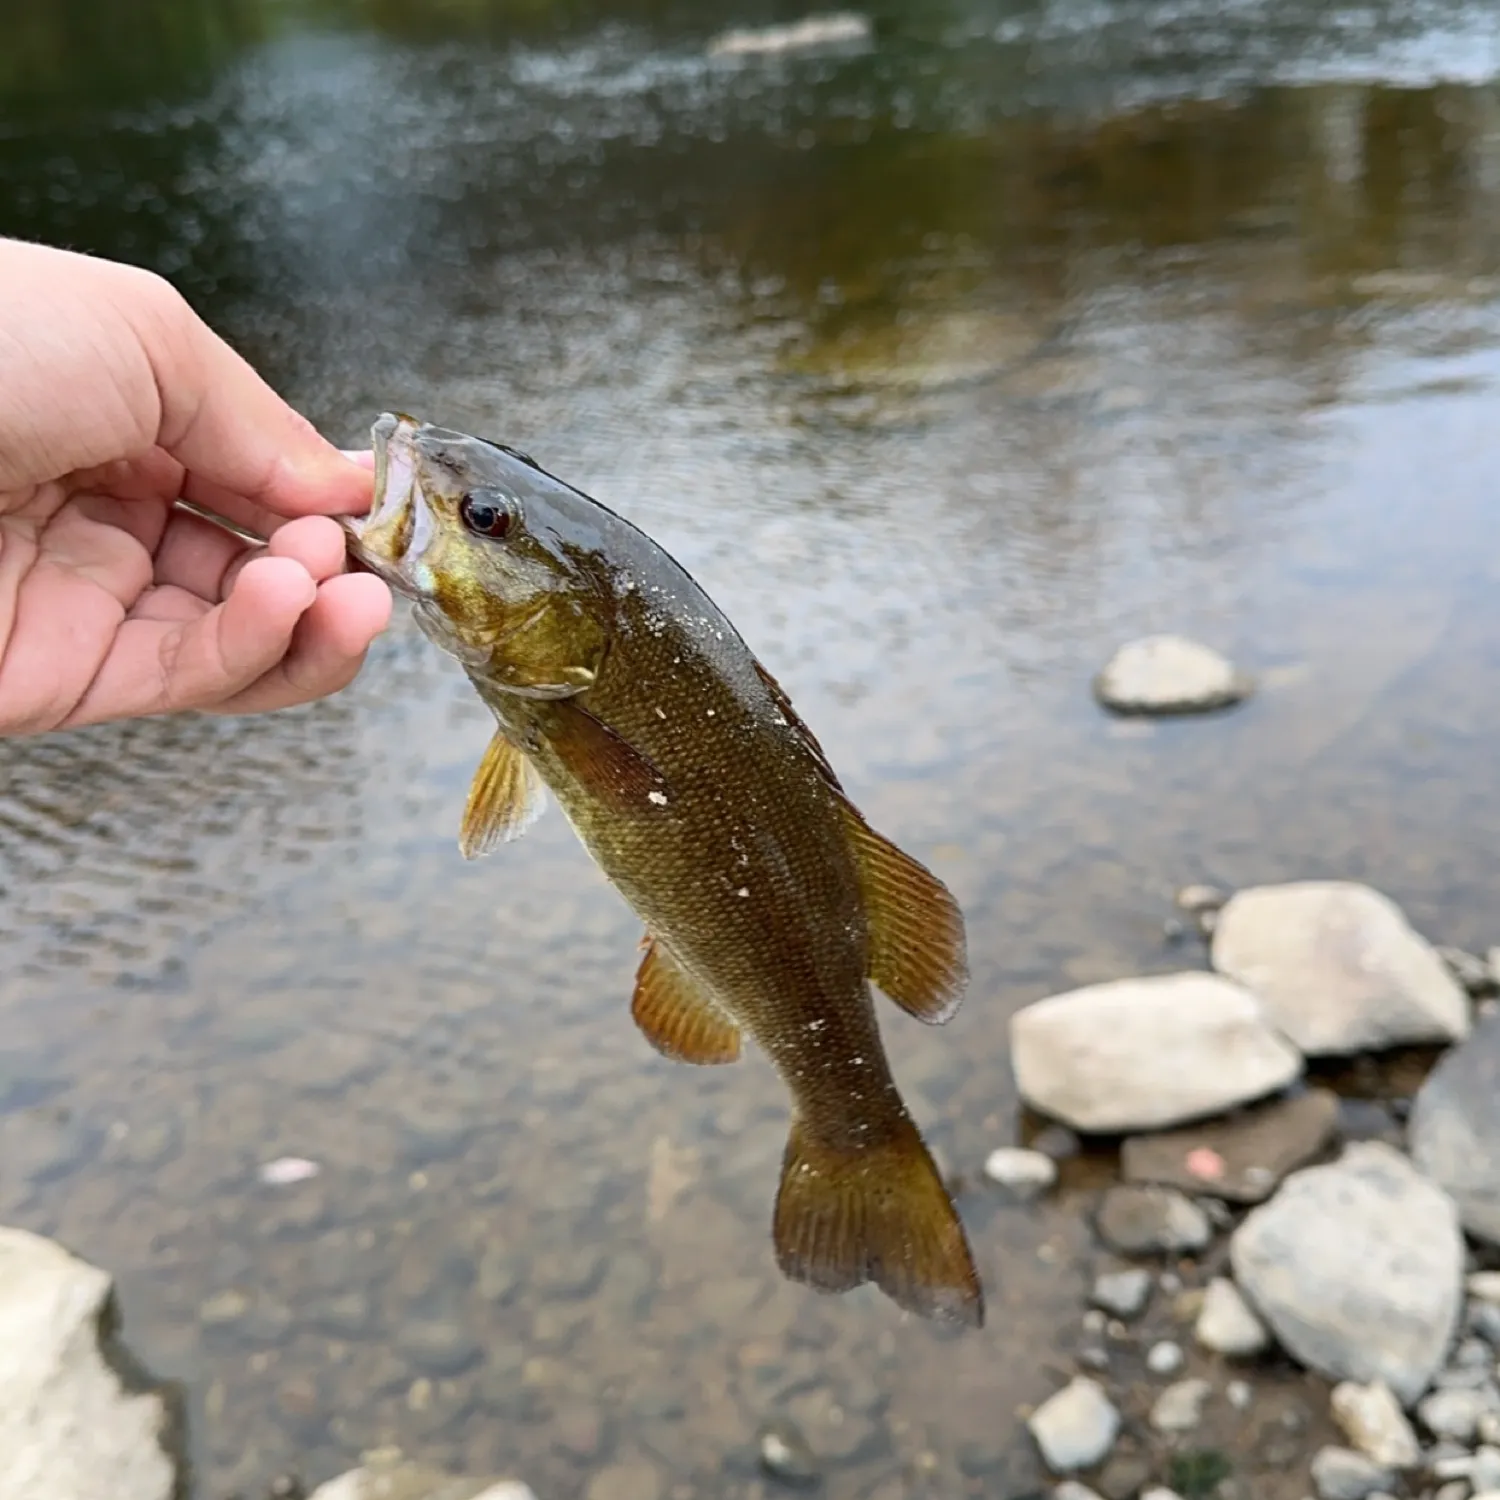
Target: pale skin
pixel 116 400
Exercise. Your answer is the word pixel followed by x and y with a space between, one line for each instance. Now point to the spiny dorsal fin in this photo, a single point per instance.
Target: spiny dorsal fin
pixel 675 1018
pixel 505 798
pixel 917 946
pixel 799 727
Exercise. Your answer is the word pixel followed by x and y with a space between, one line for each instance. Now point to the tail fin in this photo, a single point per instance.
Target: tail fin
pixel 878 1213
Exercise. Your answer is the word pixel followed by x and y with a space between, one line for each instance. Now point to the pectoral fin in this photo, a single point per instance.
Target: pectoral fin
pixel 505 798
pixel 675 1018
pixel 917 946
pixel 614 772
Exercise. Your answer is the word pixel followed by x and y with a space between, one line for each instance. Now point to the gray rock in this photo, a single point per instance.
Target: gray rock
pixel 1474 974
pixel 1454 1128
pixel 1179 1408
pixel 786 1455
pixel 1025 1175
pixel 395 1480
pixel 1227 1325
pixel 1169 674
pixel 1455 1413
pixel 1239 1394
pixel 1139 1054
pixel 631 1480
pixel 1123 1293
pixel 1138 1220
pixel 1372 1419
pixel 68 1425
pixel 1164 1358
pixel 1357 1267
pixel 1160 1492
pixel 1484 1319
pixel 1198 898
pixel 437 1346
pixel 1338 968
pixel 1343 1474
pixel 1240 1159
pixel 1075 1428
pixel 1070 1489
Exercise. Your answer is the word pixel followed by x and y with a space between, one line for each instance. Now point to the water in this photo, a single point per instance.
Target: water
pixel 945 366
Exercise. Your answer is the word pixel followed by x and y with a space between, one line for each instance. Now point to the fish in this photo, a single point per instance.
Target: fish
pixel 770 904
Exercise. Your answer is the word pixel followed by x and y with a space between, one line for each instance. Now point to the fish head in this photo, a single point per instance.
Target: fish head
pixel 470 532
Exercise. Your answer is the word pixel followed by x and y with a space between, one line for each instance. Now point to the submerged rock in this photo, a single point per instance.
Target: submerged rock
pixel 1372 1419
pixel 1075 1428
pixel 1123 1293
pixel 395 1480
pixel 1227 1325
pixel 1024 1175
pixel 70 1425
pixel 1338 968
pixel 1139 1220
pixel 1179 1408
pixel 1136 1054
pixel 1169 674
pixel 1357 1267
pixel 786 1455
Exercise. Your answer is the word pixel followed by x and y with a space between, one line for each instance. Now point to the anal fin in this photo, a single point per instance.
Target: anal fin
pixel 675 1018
pixel 918 948
pixel 506 797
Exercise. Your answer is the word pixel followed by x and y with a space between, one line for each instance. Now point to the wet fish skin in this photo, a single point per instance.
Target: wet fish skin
pixel 769 903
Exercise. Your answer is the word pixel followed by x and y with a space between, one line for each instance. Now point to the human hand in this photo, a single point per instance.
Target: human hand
pixel 116 401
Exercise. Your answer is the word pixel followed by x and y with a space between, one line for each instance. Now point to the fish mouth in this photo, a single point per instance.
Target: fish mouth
pixel 379 539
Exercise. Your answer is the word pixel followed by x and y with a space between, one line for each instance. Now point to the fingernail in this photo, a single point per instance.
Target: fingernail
pixel 364 457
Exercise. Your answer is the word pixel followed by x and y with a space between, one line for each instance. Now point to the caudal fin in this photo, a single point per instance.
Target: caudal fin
pixel 878 1213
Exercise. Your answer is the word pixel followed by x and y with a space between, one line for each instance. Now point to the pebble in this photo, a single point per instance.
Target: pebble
pixel 224 1307
pixel 786 1455
pixel 1025 1175
pixel 1485 1285
pixel 1199 898
pixel 1338 968
pixel 1372 1419
pixel 1239 1394
pixel 1454 1128
pixel 1075 1428
pixel 1123 1293
pixel 437 1346
pixel 1169 674
pixel 1164 1358
pixel 1240 1159
pixel 1455 1413
pixel 1141 1054
pixel 1357 1267
pixel 1473 973
pixel 1070 1489
pixel 1227 1325
pixel 1137 1220
pixel 1179 1408
pixel 1343 1474
pixel 1160 1492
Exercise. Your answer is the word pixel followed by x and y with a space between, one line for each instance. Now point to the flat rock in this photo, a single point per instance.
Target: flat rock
pixel 1226 1323
pixel 1372 1419
pixel 69 1427
pixel 1358 1269
pixel 402 1481
pixel 1239 1159
pixel 1075 1428
pixel 1338 968
pixel 1169 674
pixel 1454 1129
pixel 1343 1474
pixel 1142 1220
pixel 1139 1054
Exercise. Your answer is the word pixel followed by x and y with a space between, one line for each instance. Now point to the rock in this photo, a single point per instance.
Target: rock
pixel 1169 674
pixel 1357 1268
pixel 1123 1293
pixel 395 1480
pixel 839 29
pixel 69 1426
pixel 1455 1413
pixel 1123 1477
pixel 1194 899
pixel 1070 1489
pixel 1164 1358
pixel 1179 1408
pixel 1454 1128
pixel 1075 1428
pixel 1136 1220
pixel 1239 1394
pixel 1160 1492
pixel 786 1455
pixel 1025 1175
pixel 1138 1054
pixel 1474 974
pixel 1226 1324
pixel 1484 1284
pixel 633 1480
pixel 437 1346
pixel 1372 1419
pixel 1343 1474
pixel 1240 1159
pixel 1338 968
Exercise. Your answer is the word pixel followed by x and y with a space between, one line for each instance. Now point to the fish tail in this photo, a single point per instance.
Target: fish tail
pixel 847 1215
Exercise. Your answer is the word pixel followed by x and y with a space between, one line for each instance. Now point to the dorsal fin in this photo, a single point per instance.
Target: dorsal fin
pixel 799 727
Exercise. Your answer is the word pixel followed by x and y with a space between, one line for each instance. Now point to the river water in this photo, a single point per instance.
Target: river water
pixel 945 365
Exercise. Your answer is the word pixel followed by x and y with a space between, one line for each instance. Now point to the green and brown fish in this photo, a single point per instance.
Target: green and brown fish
pixel 769 902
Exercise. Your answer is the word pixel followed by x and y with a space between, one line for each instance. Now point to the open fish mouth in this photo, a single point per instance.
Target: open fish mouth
pixel 379 539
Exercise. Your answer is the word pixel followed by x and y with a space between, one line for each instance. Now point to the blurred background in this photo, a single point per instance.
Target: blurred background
pixel 946 361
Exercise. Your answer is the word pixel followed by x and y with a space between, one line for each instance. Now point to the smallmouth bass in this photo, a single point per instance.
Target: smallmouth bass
pixel 770 905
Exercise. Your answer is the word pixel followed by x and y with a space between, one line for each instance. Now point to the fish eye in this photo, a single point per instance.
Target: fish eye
pixel 487 513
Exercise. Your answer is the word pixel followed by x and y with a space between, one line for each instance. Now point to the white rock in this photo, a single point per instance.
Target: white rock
pixel 1164 1358
pixel 1342 1474
pixel 1138 1054
pixel 1455 1413
pixel 1168 674
pixel 1159 1492
pixel 1485 1285
pixel 1179 1408
pixel 1070 1489
pixel 1075 1428
pixel 813 31
pixel 1123 1293
pixel 402 1481
pixel 1239 1394
pixel 1226 1324
pixel 68 1428
pixel 1025 1175
pixel 1372 1419
pixel 1357 1266
pixel 1338 968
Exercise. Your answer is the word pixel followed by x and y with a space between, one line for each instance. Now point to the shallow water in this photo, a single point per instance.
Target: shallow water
pixel 945 367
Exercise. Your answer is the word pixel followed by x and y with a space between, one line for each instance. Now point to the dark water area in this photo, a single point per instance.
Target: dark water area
pixel 946 365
